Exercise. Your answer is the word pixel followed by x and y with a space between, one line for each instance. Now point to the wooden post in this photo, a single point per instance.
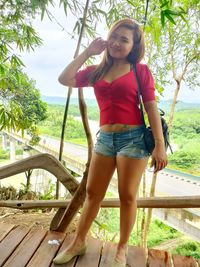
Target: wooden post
pixel 63 217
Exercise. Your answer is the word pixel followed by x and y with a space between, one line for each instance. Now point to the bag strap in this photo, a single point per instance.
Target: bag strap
pixel 141 106
pixel 139 94
pixel 162 113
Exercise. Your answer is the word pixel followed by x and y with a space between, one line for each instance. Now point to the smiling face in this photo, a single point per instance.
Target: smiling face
pixel 120 43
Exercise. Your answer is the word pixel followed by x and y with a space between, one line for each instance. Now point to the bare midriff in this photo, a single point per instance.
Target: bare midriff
pixel 117 127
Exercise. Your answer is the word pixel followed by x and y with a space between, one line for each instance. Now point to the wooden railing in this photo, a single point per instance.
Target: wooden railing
pixel 149 202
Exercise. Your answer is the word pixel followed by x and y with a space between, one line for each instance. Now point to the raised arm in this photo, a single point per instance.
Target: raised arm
pixel 67 77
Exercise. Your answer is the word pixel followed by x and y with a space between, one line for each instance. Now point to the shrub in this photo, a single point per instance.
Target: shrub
pixel 190 248
pixel 4 154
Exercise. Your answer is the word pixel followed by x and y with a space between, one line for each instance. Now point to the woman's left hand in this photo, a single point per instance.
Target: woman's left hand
pixel 159 158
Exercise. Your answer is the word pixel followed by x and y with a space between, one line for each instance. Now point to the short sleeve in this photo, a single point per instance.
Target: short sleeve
pixel 146 83
pixel 82 76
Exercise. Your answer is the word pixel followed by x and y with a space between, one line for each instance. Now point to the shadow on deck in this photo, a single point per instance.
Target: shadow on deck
pixel 22 246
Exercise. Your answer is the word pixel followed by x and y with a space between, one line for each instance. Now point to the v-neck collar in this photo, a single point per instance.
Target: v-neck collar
pixel 121 76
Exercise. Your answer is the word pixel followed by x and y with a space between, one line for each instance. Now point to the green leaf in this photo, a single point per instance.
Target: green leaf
pixel 182 10
pixel 17 77
pixel 183 18
pixel 42 13
pixel 164 4
pixel 2 70
pixel 162 13
pixel 3 84
pixel 130 3
pixel 170 18
pixel 77 27
pixel 19 62
pixel 96 1
pixel 65 7
pixel 102 12
pixel 173 12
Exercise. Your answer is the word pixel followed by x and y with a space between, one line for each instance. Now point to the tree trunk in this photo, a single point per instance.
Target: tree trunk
pixel 172 110
pixel 83 110
pixel 149 213
pixel 154 178
pixel 143 218
pixel 69 93
pixel 28 180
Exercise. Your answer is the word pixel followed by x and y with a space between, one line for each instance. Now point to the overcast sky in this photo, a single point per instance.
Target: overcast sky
pixel 46 62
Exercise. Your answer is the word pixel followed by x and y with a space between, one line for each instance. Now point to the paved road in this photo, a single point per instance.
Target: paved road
pixel 175 185
pixel 76 151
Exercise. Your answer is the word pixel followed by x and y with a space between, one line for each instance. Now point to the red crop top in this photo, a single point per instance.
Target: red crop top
pixel 117 100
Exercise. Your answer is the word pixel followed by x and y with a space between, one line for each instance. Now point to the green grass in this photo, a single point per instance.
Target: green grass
pixel 188 248
pixel 78 141
pixel 4 155
pixel 108 226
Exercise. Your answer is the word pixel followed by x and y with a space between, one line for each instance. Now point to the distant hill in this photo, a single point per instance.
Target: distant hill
pixel 180 105
pixel 57 100
pixel 165 105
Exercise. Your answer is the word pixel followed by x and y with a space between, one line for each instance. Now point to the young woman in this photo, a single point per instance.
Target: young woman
pixel 120 143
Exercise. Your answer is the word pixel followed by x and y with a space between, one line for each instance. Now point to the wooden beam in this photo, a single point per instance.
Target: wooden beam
pixel 158 258
pixel 43 161
pixel 151 202
pixel 63 217
pixel 183 261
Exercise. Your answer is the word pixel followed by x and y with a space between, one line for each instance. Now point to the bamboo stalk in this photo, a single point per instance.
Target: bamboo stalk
pixel 63 217
pixel 150 202
pixel 70 92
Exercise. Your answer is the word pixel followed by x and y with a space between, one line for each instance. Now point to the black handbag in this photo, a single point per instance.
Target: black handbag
pixel 148 135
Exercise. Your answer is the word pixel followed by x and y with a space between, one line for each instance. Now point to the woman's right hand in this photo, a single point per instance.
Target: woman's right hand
pixel 96 47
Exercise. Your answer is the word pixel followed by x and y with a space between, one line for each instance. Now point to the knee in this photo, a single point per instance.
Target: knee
pixel 127 199
pixel 92 195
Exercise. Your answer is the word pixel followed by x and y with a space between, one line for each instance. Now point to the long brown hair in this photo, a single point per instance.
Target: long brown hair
pixel 134 56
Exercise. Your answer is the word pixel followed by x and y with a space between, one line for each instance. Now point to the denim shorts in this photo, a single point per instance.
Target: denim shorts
pixel 129 143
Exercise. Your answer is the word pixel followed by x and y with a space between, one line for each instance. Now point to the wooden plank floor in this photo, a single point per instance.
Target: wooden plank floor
pixel 22 246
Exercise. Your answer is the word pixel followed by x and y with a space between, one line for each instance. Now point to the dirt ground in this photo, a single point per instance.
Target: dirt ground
pixel 31 218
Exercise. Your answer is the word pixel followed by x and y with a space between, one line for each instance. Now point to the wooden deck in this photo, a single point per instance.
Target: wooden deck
pixel 32 247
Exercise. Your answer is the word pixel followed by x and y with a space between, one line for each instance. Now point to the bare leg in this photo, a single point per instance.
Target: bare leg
pixel 100 174
pixel 129 176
